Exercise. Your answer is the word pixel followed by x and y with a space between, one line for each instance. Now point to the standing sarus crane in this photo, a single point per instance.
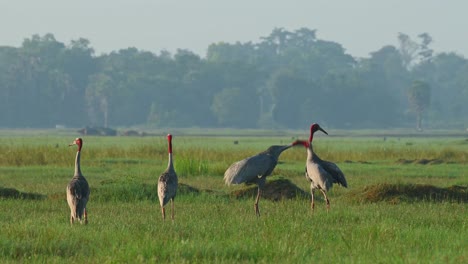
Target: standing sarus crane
pixel 78 189
pixel 321 173
pixel 167 183
pixel 255 169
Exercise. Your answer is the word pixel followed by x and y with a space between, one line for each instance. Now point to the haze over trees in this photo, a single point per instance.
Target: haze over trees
pixel 286 80
pixel 419 95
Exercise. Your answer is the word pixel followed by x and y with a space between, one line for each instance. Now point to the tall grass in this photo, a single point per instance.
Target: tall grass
pixel 202 150
pixel 192 167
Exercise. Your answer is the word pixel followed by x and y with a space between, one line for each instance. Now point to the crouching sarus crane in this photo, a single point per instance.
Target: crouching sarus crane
pixel 167 183
pixel 78 189
pixel 255 169
pixel 321 173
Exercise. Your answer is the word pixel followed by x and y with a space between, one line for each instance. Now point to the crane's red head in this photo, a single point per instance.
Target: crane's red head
pixel 78 142
pixel 314 128
pixel 169 140
pixel 301 143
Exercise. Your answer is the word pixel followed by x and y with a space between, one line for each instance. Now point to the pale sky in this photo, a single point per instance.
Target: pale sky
pixel 361 26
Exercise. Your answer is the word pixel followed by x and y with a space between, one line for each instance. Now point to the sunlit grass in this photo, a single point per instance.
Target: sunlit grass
pixel 218 229
pixel 211 225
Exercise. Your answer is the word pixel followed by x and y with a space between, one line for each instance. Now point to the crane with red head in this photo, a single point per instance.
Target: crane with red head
pixel 78 189
pixel 167 183
pixel 322 174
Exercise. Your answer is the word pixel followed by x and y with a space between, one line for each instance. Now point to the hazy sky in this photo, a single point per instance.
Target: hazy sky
pixel 361 26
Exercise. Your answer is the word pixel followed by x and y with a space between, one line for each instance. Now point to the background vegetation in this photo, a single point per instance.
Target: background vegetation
pixel 287 79
pixel 384 215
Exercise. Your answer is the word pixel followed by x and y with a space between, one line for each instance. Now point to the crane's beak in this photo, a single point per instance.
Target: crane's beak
pixel 321 129
pixel 73 143
pixel 287 146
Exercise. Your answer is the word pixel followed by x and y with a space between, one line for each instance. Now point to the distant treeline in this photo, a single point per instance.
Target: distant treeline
pixel 287 80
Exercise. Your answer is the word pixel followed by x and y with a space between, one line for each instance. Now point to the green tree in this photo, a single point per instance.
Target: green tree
pixel 234 107
pixel 289 92
pixel 446 73
pixel 419 96
pixel 412 52
pixel 408 50
pixel 382 88
pixel 98 97
pixel 42 84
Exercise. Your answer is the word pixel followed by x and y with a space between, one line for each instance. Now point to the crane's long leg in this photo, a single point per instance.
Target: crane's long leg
pixel 312 205
pixel 261 183
pixel 85 217
pixel 326 199
pixel 71 219
pixel 172 208
pixel 257 212
pixel 163 212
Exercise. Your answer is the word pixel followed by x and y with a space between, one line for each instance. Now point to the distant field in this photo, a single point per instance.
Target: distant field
pixel 406 200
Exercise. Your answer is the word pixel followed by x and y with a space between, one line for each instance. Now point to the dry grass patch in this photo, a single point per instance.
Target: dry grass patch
pixel 275 190
pixel 396 193
pixel 11 193
pixel 421 161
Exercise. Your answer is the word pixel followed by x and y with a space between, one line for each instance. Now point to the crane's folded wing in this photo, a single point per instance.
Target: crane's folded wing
pixel 249 170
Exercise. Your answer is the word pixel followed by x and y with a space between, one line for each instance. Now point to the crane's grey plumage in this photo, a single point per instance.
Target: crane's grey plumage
pixel 167 183
pixel 332 169
pixel 322 174
pixel 255 169
pixel 78 189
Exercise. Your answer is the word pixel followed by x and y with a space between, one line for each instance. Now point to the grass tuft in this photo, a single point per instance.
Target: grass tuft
pixel 192 167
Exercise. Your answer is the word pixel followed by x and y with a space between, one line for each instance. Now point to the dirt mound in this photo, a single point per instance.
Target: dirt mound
pixel 428 161
pixel 134 133
pixel 11 193
pixel 275 190
pixel 187 189
pixel 395 193
pixel 359 161
pixel 404 161
pixel 97 131
pixel 420 161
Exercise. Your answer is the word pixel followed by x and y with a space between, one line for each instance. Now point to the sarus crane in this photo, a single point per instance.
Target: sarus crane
pixel 167 183
pixel 255 169
pixel 321 173
pixel 78 189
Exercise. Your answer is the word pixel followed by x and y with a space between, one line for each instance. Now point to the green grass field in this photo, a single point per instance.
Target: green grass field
pixel 392 211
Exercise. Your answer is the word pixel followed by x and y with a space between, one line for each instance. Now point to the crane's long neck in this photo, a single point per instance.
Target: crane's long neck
pixel 310 152
pixel 77 163
pixel 170 164
pixel 310 149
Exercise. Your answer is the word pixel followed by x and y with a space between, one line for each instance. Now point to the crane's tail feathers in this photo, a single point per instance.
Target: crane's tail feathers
pixel 229 179
pixel 73 213
pixel 232 181
pixel 342 180
pixel 337 175
pixel 79 210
